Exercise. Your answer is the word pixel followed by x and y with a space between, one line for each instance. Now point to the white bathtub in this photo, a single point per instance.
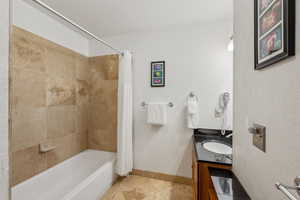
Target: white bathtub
pixel 86 176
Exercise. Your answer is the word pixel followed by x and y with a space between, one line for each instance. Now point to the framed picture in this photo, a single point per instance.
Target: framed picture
pixel 274 31
pixel 158 74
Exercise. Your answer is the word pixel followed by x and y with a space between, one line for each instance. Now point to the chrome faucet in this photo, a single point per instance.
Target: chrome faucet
pixel 229 135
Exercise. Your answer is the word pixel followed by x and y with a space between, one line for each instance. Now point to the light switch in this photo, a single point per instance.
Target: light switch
pixel 259 136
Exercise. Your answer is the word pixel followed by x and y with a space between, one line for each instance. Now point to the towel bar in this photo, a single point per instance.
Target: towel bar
pixel 144 104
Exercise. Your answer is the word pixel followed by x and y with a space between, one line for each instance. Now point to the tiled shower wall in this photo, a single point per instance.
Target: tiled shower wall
pixel 49 104
pixel 61 98
pixel 103 103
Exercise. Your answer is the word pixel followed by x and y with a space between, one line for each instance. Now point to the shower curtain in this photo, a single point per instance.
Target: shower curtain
pixel 125 117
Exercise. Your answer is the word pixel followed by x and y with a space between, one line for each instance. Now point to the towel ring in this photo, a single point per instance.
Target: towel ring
pixel 192 95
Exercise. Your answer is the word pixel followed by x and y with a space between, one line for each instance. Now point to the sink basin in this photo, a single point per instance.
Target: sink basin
pixel 217 147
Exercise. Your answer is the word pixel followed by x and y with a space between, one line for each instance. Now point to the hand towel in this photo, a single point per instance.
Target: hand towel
pixel 193 106
pixel 157 114
pixel 193 116
pixel 225 122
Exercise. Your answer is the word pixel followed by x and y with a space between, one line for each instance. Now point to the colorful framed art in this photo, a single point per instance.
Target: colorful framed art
pixel 158 74
pixel 274 31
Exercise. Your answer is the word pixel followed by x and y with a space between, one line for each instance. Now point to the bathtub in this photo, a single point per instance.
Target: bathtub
pixel 86 176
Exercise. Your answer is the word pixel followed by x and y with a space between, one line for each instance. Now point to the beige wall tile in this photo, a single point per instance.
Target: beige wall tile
pixel 103 106
pixel 101 117
pixel 82 92
pixel 62 151
pixel 60 63
pixel 103 87
pixel 82 68
pixel 27 163
pixel 66 147
pixel 106 90
pixel 79 143
pixel 82 80
pixel 28 89
pixel 106 67
pixel 82 118
pixel 28 128
pixel 103 103
pixel 61 91
pixel 27 53
pixel 105 140
pixel 60 121
pixel 61 72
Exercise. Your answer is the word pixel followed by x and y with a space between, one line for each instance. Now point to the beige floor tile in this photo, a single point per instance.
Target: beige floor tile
pixel 142 188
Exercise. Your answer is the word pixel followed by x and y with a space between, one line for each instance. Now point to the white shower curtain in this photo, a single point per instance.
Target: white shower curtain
pixel 125 117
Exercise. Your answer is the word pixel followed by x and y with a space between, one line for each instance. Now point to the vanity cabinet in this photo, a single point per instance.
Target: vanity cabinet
pixel 195 177
pixel 212 194
pixel 202 183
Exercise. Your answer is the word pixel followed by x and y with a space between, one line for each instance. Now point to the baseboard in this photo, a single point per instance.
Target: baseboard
pixel 164 177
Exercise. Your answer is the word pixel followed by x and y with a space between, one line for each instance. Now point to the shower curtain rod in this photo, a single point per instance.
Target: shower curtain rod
pixel 76 25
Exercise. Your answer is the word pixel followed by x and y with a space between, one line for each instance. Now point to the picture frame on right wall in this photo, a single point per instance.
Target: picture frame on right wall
pixel 274 34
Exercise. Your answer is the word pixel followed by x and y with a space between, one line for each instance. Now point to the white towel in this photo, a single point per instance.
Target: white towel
pixel 157 114
pixel 193 106
pixel 193 116
pixel 225 122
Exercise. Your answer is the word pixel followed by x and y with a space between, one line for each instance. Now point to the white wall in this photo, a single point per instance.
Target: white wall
pixel 196 60
pixel 38 22
pixel 270 97
pixel 4 57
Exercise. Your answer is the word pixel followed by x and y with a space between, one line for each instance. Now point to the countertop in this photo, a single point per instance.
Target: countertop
pixel 201 135
pixel 227 186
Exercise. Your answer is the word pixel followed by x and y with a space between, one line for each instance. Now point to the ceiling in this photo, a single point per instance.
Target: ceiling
pixel 115 17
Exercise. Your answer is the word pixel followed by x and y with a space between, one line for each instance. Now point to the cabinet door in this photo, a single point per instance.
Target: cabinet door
pixel 195 177
pixel 204 180
pixel 212 195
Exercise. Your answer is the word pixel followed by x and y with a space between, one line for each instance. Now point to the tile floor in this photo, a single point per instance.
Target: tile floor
pixel 141 188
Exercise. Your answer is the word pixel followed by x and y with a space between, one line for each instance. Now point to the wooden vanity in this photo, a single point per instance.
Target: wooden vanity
pixel 202 183
pixel 212 175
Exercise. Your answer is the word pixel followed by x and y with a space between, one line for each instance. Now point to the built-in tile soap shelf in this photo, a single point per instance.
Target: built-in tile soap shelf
pixel 44 148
